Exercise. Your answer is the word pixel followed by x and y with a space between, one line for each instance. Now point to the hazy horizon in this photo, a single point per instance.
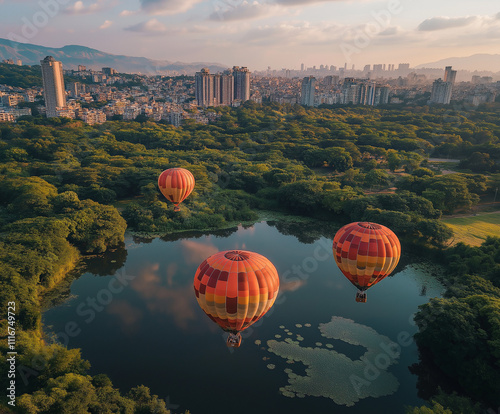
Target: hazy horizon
pixel 257 34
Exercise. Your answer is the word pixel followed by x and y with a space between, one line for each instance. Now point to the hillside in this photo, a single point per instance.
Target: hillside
pixel 479 62
pixel 73 55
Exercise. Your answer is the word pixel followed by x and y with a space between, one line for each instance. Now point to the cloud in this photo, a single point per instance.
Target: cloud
pixel 248 10
pixel 244 11
pixel 106 24
pixel 390 31
pixel 79 7
pixel 442 23
pixel 128 12
pixel 301 2
pixel 167 6
pixel 152 26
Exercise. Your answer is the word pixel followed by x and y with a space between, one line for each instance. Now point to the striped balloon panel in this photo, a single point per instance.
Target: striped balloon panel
pixel 176 184
pixel 236 288
pixel 366 253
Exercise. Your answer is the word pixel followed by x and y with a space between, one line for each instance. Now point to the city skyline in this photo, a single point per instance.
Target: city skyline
pixel 279 33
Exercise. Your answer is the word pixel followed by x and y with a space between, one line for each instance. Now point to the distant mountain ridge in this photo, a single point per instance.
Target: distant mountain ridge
pixel 73 55
pixel 477 62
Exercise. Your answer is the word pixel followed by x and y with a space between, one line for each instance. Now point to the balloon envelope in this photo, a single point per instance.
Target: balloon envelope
pixel 176 184
pixel 366 253
pixel 235 288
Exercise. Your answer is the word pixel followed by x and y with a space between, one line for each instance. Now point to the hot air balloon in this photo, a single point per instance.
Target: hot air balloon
pixel 366 253
pixel 176 184
pixel 235 288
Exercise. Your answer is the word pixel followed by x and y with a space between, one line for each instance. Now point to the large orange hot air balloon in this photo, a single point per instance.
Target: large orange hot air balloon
pixel 366 253
pixel 176 184
pixel 235 288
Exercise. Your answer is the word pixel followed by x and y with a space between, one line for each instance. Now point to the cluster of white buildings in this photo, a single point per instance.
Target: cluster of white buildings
pixel 10 98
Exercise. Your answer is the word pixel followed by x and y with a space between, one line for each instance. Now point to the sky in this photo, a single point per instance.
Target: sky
pixel 262 33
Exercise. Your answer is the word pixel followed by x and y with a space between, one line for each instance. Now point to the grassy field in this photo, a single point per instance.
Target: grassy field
pixel 473 230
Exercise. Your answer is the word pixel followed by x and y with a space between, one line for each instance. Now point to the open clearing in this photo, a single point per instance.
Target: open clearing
pixel 473 230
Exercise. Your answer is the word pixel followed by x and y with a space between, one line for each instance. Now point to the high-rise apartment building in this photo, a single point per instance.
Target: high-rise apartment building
pixel 222 89
pixel 450 75
pixel 241 83
pixel 53 86
pixel 217 89
pixel 308 91
pixel 441 92
pixel 227 88
pixel 204 86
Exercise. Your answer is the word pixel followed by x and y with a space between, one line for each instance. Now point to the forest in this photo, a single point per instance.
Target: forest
pixel 70 190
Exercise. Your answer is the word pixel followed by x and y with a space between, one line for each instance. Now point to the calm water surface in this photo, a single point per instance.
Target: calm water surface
pixel 136 319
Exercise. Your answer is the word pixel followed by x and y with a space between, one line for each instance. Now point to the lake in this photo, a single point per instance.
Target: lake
pixel 135 317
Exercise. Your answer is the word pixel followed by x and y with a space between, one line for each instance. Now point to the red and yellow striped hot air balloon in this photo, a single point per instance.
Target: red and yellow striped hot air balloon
pixel 235 288
pixel 176 184
pixel 366 253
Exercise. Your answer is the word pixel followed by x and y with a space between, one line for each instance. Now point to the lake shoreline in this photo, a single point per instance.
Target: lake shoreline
pixel 263 215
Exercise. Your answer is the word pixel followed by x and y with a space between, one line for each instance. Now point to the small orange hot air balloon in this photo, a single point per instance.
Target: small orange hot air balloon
pixel 235 288
pixel 366 253
pixel 176 184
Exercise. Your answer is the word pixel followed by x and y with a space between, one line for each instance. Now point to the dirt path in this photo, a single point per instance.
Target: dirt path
pixel 442 160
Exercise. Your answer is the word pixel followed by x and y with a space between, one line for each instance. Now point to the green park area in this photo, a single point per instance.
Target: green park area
pixel 474 230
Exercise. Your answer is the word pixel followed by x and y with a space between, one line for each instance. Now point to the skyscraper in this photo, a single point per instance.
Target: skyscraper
pixel 204 87
pixel 241 83
pixel 450 75
pixel 222 89
pixel 53 86
pixel 227 88
pixel 441 92
pixel 308 90
pixel 217 80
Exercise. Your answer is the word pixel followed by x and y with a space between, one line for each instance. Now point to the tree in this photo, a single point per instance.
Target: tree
pixel 95 227
pixel 394 161
pixel 376 178
pixel 478 162
pixel 68 394
pixel 435 409
pixel 462 337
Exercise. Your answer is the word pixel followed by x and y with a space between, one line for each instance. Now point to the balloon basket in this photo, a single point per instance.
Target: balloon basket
pixel 361 297
pixel 233 340
pixel 177 209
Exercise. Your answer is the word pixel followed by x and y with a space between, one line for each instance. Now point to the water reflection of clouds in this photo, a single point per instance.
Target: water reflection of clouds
pixel 245 231
pixel 196 252
pixel 177 302
pixel 291 286
pixel 129 316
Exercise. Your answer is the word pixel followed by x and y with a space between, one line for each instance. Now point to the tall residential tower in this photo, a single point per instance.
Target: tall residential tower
pixel 53 86
pixel 441 92
pixel 222 88
pixel 204 86
pixel 308 90
pixel 241 83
